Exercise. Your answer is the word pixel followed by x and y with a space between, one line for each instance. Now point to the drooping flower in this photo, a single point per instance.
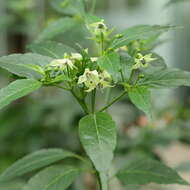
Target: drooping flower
pixel 90 79
pixel 93 79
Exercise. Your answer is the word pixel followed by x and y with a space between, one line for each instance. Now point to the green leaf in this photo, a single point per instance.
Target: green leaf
pixel 166 78
pixel 111 63
pixel 17 89
pixel 141 97
pixel 53 178
pixel 156 65
pixel 52 49
pixel 68 6
pixel 98 136
pixel 28 65
pixel 13 185
pixel 34 161
pixel 126 65
pixel 149 171
pixel 55 28
pixel 139 32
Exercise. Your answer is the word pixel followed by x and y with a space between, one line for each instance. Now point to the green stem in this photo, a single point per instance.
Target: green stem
pixel 93 6
pixel 81 102
pixel 131 76
pixel 102 44
pixel 93 100
pixel 113 101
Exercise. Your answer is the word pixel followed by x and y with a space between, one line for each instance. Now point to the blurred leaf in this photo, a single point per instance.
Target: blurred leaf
pixel 34 161
pixel 166 78
pixel 68 6
pixel 141 97
pixel 13 185
pixel 171 2
pixel 53 178
pixel 139 32
pixel 17 89
pixel 111 63
pixel 25 65
pixel 149 171
pixel 55 28
pixel 89 18
pixel 6 21
pixel 98 136
pixel 183 167
pixel 52 49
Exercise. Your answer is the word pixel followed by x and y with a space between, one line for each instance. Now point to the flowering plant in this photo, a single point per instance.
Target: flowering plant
pixel 126 61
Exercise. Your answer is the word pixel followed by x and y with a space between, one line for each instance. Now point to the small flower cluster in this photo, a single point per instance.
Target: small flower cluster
pixel 67 62
pixel 72 64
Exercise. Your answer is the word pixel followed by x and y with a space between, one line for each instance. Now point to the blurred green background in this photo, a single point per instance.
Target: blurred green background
pixel 49 117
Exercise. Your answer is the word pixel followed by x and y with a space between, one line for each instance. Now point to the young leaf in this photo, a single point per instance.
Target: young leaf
pixel 34 161
pixel 166 78
pixel 98 136
pixel 28 65
pixel 52 49
pixel 55 28
pixel 149 171
pixel 68 6
pixel 141 97
pixel 111 63
pixel 139 32
pixel 17 89
pixel 53 178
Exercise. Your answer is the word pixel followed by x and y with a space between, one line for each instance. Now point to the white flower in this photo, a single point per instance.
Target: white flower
pixel 62 63
pixel 94 59
pixel 76 56
pixel 142 61
pixel 90 79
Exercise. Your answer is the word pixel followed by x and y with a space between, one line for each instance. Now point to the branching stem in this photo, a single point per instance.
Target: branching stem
pixel 113 101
